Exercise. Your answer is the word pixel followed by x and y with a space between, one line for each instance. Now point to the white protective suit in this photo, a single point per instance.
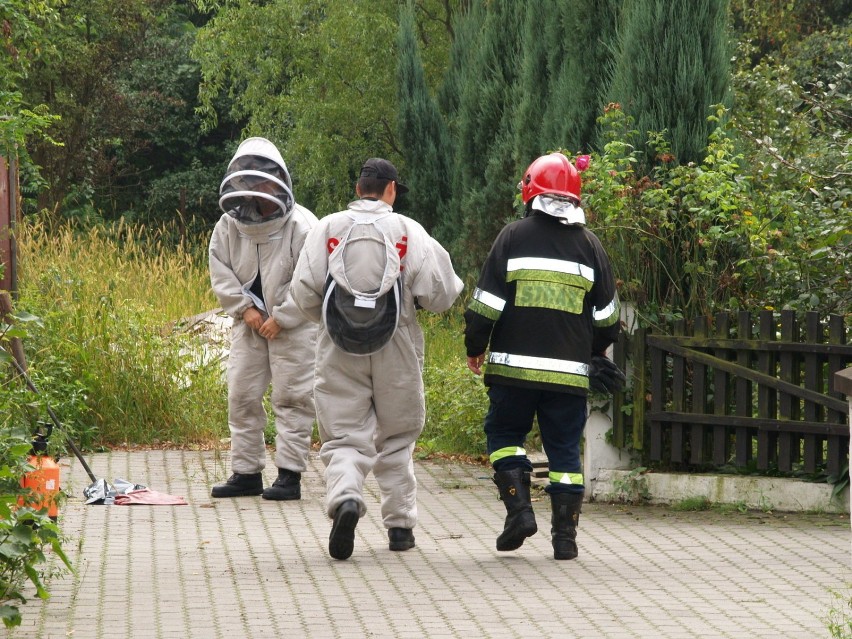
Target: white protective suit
pixel 242 247
pixel 371 408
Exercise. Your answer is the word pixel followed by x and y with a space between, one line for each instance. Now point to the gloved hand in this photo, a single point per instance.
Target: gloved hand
pixel 605 376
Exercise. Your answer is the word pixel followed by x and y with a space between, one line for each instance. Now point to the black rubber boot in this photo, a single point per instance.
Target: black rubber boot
pixel 520 523
pixel 563 533
pixel 239 486
pixel 341 541
pixel 288 486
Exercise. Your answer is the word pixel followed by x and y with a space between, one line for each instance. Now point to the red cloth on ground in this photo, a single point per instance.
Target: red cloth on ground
pixel 148 497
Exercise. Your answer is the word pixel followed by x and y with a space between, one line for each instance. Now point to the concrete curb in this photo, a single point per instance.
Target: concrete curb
pixel 752 493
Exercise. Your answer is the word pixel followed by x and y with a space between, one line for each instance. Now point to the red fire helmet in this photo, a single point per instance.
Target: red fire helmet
pixel 552 174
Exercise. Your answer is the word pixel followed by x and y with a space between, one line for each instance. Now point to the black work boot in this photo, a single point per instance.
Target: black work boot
pixel 520 523
pixel 287 486
pixel 563 533
pixel 341 541
pixel 400 538
pixel 239 486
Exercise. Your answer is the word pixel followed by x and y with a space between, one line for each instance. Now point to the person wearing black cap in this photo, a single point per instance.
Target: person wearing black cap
pixel 362 274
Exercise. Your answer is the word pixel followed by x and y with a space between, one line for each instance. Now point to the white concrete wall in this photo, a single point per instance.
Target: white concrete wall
pixel 754 493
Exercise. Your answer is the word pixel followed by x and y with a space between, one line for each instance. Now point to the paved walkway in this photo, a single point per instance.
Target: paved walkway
pixel 251 568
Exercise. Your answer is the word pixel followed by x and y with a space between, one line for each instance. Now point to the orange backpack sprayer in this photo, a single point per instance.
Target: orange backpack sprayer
pixel 43 480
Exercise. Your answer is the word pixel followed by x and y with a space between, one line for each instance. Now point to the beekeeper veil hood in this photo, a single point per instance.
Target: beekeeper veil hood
pixel 363 290
pixel 257 185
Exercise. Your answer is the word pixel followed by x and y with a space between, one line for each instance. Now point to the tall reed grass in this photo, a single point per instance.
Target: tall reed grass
pixel 110 300
pixel 117 366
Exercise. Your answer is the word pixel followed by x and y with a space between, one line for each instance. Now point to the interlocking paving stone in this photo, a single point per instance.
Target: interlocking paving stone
pixel 247 567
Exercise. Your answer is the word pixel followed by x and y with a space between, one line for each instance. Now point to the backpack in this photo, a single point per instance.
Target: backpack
pixel 362 322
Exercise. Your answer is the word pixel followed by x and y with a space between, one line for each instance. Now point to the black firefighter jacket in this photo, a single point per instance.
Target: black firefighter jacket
pixel 545 301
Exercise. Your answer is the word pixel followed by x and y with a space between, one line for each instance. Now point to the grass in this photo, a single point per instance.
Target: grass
pixel 109 300
pixel 692 504
pixel 117 367
pixel 838 619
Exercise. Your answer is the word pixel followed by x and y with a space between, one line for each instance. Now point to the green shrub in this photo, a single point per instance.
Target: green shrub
pixel 734 232
pixel 456 404
pixel 25 532
pixel 456 401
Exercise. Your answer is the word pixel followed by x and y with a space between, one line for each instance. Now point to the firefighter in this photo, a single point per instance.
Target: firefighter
pixel 253 251
pixel 546 308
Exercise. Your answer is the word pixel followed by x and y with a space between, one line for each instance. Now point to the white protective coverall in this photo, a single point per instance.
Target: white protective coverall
pixel 241 248
pixel 371 408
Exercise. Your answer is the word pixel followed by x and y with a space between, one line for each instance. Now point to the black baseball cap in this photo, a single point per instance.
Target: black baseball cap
pixel 383 170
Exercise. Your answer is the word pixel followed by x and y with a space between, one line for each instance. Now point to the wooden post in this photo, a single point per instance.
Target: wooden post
pixel 7 209
pixel 16 346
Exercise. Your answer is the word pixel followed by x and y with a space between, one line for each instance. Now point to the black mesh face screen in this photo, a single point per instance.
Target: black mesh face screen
pixel 357 329
pixel 256 189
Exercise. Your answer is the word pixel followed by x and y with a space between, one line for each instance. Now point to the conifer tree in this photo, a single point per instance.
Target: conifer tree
pixel 541 58
pixel 673 63
pixel 422 131
pixel 467 28
pixel 587 30
pixel 484 167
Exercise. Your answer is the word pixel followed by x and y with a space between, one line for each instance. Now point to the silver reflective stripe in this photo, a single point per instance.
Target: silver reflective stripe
pixel 539 363
pixel 607 311
pixel 547 264
pixel 492 301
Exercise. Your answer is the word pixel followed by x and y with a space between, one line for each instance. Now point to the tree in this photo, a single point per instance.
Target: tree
pixel 587 32
pixel 120 77
pixel 24 42
pixel 304 75
pixel 483 191
pixel 422 131
pixel 540 59
pixel 671 66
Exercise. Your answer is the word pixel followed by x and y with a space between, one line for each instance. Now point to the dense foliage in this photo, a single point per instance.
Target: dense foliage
pixel 155 94
pixel 318 78
pixel 26 531
pixel 668 84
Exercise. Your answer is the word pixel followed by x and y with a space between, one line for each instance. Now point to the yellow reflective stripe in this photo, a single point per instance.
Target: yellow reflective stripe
pixel 549 276
pixel 559 297
pixel 549 377
pixel 608 315
pixel 510 451
pixel 486 304
pixel 548 264
pixel 566 478
pixel 486 311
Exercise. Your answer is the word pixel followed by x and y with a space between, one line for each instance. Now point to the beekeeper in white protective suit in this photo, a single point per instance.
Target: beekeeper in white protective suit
pixel 362 274
pixel 253 251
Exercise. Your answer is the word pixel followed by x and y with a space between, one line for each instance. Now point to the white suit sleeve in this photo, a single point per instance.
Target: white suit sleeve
pixel 306 288
pixel 287 314
pixel 223 280
pixel 436 285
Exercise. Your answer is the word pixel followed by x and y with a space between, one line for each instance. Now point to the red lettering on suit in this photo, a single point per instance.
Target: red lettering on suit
pixel 402 249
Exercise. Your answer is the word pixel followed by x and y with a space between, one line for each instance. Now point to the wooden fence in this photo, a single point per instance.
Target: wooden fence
pixel 739 391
